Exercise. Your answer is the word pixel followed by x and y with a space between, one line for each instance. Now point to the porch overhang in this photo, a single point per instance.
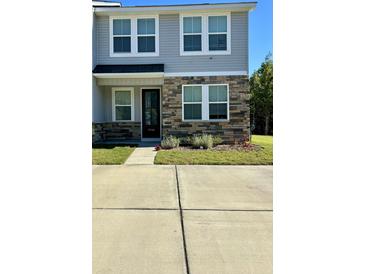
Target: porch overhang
pixel 151 74
pixel 129 75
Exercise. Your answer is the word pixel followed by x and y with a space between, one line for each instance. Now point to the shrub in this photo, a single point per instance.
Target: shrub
pixel 185 141
pixel 205 141
pixel 217 140
pixel 170 142
pixel 196 141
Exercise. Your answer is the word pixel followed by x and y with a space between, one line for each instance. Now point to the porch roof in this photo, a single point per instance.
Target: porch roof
pixel 129 68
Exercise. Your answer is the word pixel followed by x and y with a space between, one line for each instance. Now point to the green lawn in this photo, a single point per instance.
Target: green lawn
pixel 112 155
pixel 211 157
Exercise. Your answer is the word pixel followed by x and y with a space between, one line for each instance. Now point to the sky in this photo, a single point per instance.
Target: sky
pixel 260 24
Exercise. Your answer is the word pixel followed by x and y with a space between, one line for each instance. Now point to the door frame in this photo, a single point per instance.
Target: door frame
pixel 141 108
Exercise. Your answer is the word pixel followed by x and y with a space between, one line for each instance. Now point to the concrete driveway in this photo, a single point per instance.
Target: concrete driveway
pixel 182 219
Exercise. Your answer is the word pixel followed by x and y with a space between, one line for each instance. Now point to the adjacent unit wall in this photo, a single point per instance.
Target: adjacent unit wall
pixel 170 47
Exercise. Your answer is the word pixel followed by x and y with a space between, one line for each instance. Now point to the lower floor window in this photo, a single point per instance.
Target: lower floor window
pixel 218 102
pixel 205 102
pixel 123 104
pixel 217 111
pixel 123 113
pixel 193 111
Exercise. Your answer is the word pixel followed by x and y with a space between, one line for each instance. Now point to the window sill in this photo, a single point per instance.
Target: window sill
pixel 148 54
pixel 200 53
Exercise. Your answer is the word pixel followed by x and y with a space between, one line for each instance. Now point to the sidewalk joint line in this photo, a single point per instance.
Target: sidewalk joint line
pixel 131 208
pixel 217 209
pixel 182 222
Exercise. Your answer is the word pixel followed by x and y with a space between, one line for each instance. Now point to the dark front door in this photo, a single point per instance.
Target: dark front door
pixel 150 113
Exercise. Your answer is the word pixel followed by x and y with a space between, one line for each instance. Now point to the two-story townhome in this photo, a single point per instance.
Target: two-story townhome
pixel 170 70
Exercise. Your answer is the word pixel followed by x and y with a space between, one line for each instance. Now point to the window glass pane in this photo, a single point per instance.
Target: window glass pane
pixel 146 26
pixel 192 42
pixel 192 111
pixel 146 44
pixel 193 94
pixel 217 93
pixel 217 42
pixel 123 113
pixel 122 44
pixel 217 111
pixel 123 97
pixel 192 24
pixel 122 27
pixel 217 23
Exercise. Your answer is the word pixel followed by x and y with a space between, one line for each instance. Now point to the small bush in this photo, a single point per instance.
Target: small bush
pixel 205 141
pixel 185 141
pixel 170 142
pixel 196 141
pixel 217 140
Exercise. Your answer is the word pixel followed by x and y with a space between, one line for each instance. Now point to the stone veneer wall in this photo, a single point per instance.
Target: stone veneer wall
pixel 116 131
pixel 230 131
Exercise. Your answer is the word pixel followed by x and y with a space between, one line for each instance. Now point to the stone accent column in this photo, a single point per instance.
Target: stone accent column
pixel 230 131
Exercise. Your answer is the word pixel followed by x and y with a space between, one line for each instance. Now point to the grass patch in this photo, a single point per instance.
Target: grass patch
pixel 210 157
pixel 111 155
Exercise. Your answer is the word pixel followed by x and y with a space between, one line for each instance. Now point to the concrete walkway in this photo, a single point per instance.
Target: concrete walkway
pixel 182 219
pixel 142 156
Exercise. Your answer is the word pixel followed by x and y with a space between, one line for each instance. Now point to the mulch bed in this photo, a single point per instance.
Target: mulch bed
pixel 239 147
pixel 250 147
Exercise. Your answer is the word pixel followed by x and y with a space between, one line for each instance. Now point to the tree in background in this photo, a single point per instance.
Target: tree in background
pixel 261 102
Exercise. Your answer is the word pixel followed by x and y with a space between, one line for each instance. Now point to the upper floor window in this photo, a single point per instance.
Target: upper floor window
pixel 192 33
pixel 134 36
pixel 122 35
pixel 146 35
pixel 217 32
pixel 208 34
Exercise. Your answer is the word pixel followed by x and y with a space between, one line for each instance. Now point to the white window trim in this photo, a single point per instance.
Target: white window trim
pixel 134 37
pixel 205 104
pixel 114 89
pixel 205 34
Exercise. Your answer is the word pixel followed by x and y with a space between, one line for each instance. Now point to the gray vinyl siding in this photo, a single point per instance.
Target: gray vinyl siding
pixel 170 47
pixel 94 41
pixel 97 102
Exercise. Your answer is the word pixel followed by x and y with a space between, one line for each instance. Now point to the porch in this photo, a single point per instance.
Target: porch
pixel 127 107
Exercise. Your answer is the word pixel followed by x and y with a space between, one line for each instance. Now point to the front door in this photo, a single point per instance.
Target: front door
pixel 150 113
